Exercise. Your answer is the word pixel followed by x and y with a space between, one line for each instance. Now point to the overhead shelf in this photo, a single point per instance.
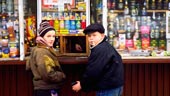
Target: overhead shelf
pixel 79 34
pixel 120 11
pixel 56 10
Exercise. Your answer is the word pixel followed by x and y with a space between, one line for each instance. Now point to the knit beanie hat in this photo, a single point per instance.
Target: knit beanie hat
pixel 44 28
pixel 93 28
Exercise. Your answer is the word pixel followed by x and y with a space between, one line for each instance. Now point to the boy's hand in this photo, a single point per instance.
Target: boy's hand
pixel 76 87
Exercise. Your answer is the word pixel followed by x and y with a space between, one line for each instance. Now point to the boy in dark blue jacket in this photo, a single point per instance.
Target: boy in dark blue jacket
pixel 104 73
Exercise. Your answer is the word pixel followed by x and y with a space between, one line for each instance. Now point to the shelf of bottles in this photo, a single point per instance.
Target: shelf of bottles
pixel 10 35
pixel 138 28
pixel 68 18
pixel 9 29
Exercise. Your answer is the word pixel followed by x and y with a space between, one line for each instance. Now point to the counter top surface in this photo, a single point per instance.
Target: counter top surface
pixel 143 57
pixel 83 60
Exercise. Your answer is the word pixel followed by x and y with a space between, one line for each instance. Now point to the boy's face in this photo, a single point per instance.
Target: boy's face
pixel 49 37
pixel 94 38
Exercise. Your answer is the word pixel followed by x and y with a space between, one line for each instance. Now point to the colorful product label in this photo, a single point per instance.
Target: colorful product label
pixel 145 43
pixel 145 29
pixel 129 43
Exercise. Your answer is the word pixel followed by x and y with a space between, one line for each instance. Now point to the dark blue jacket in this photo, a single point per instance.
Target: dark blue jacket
pixel 104 69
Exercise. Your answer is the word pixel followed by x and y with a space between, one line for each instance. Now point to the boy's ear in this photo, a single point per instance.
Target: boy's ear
pixel 103 35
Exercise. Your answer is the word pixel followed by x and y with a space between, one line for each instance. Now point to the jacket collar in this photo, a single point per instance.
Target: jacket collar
pixel 51 49
pixel 102 40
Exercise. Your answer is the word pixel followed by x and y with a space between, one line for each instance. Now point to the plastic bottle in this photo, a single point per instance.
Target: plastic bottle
pixel 67 24
pixel 61 24
pixel 72 24
pixel 56 25
pixel 78 24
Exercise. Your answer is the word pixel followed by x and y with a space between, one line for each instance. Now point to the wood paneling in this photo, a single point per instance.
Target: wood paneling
pixel 140 80
pixel 134 80
pixel 166 80
pixel 154 80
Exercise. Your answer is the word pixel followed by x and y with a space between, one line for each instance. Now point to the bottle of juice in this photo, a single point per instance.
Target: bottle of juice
pixel 61 24
pixel 83 21
pixel 57 25
pixel 67 21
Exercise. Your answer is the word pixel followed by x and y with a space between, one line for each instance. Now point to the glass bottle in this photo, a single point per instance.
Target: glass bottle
pixel 109 4
pixel 145 31
pixel 159 4
pixel 10 6
pixel 3 6
pixel 113 4
pixel 144 10
pixel 157 30
pixel 158 19
pixel 162 44
pixel 138 9
pixel 153 6
pixel 162 33
pixel 57 44
pixel 129 35
pixel 121 23
pixel 137 32
pixel 117 23
pixel 133 9
pixel 147 4
pixel 128 28
pixel 153 20
pixel 152 33
pixel 154 43
pixel 136 37
pixel 120 5
pixel 165 4
pixel 126 9
pixel 4 22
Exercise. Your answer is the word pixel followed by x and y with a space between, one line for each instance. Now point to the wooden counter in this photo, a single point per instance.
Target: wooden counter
pixel 83 60
pixel 146 60
pixel 144 76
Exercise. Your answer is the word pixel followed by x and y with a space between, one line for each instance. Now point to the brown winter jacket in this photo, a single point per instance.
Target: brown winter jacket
pixel 45 68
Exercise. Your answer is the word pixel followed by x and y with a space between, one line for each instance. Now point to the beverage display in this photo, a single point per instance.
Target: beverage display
pixel 69 18
pixel 143 24
pixel 10 28
pixel 9 32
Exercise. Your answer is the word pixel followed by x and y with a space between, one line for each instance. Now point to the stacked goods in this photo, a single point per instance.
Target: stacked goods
pixel 69 18
pixel 9 37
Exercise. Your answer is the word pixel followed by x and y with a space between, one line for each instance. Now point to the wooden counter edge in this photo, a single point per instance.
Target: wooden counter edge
pixel 83 60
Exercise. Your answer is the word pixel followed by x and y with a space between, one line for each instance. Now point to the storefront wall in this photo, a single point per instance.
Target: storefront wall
pixel 141 79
